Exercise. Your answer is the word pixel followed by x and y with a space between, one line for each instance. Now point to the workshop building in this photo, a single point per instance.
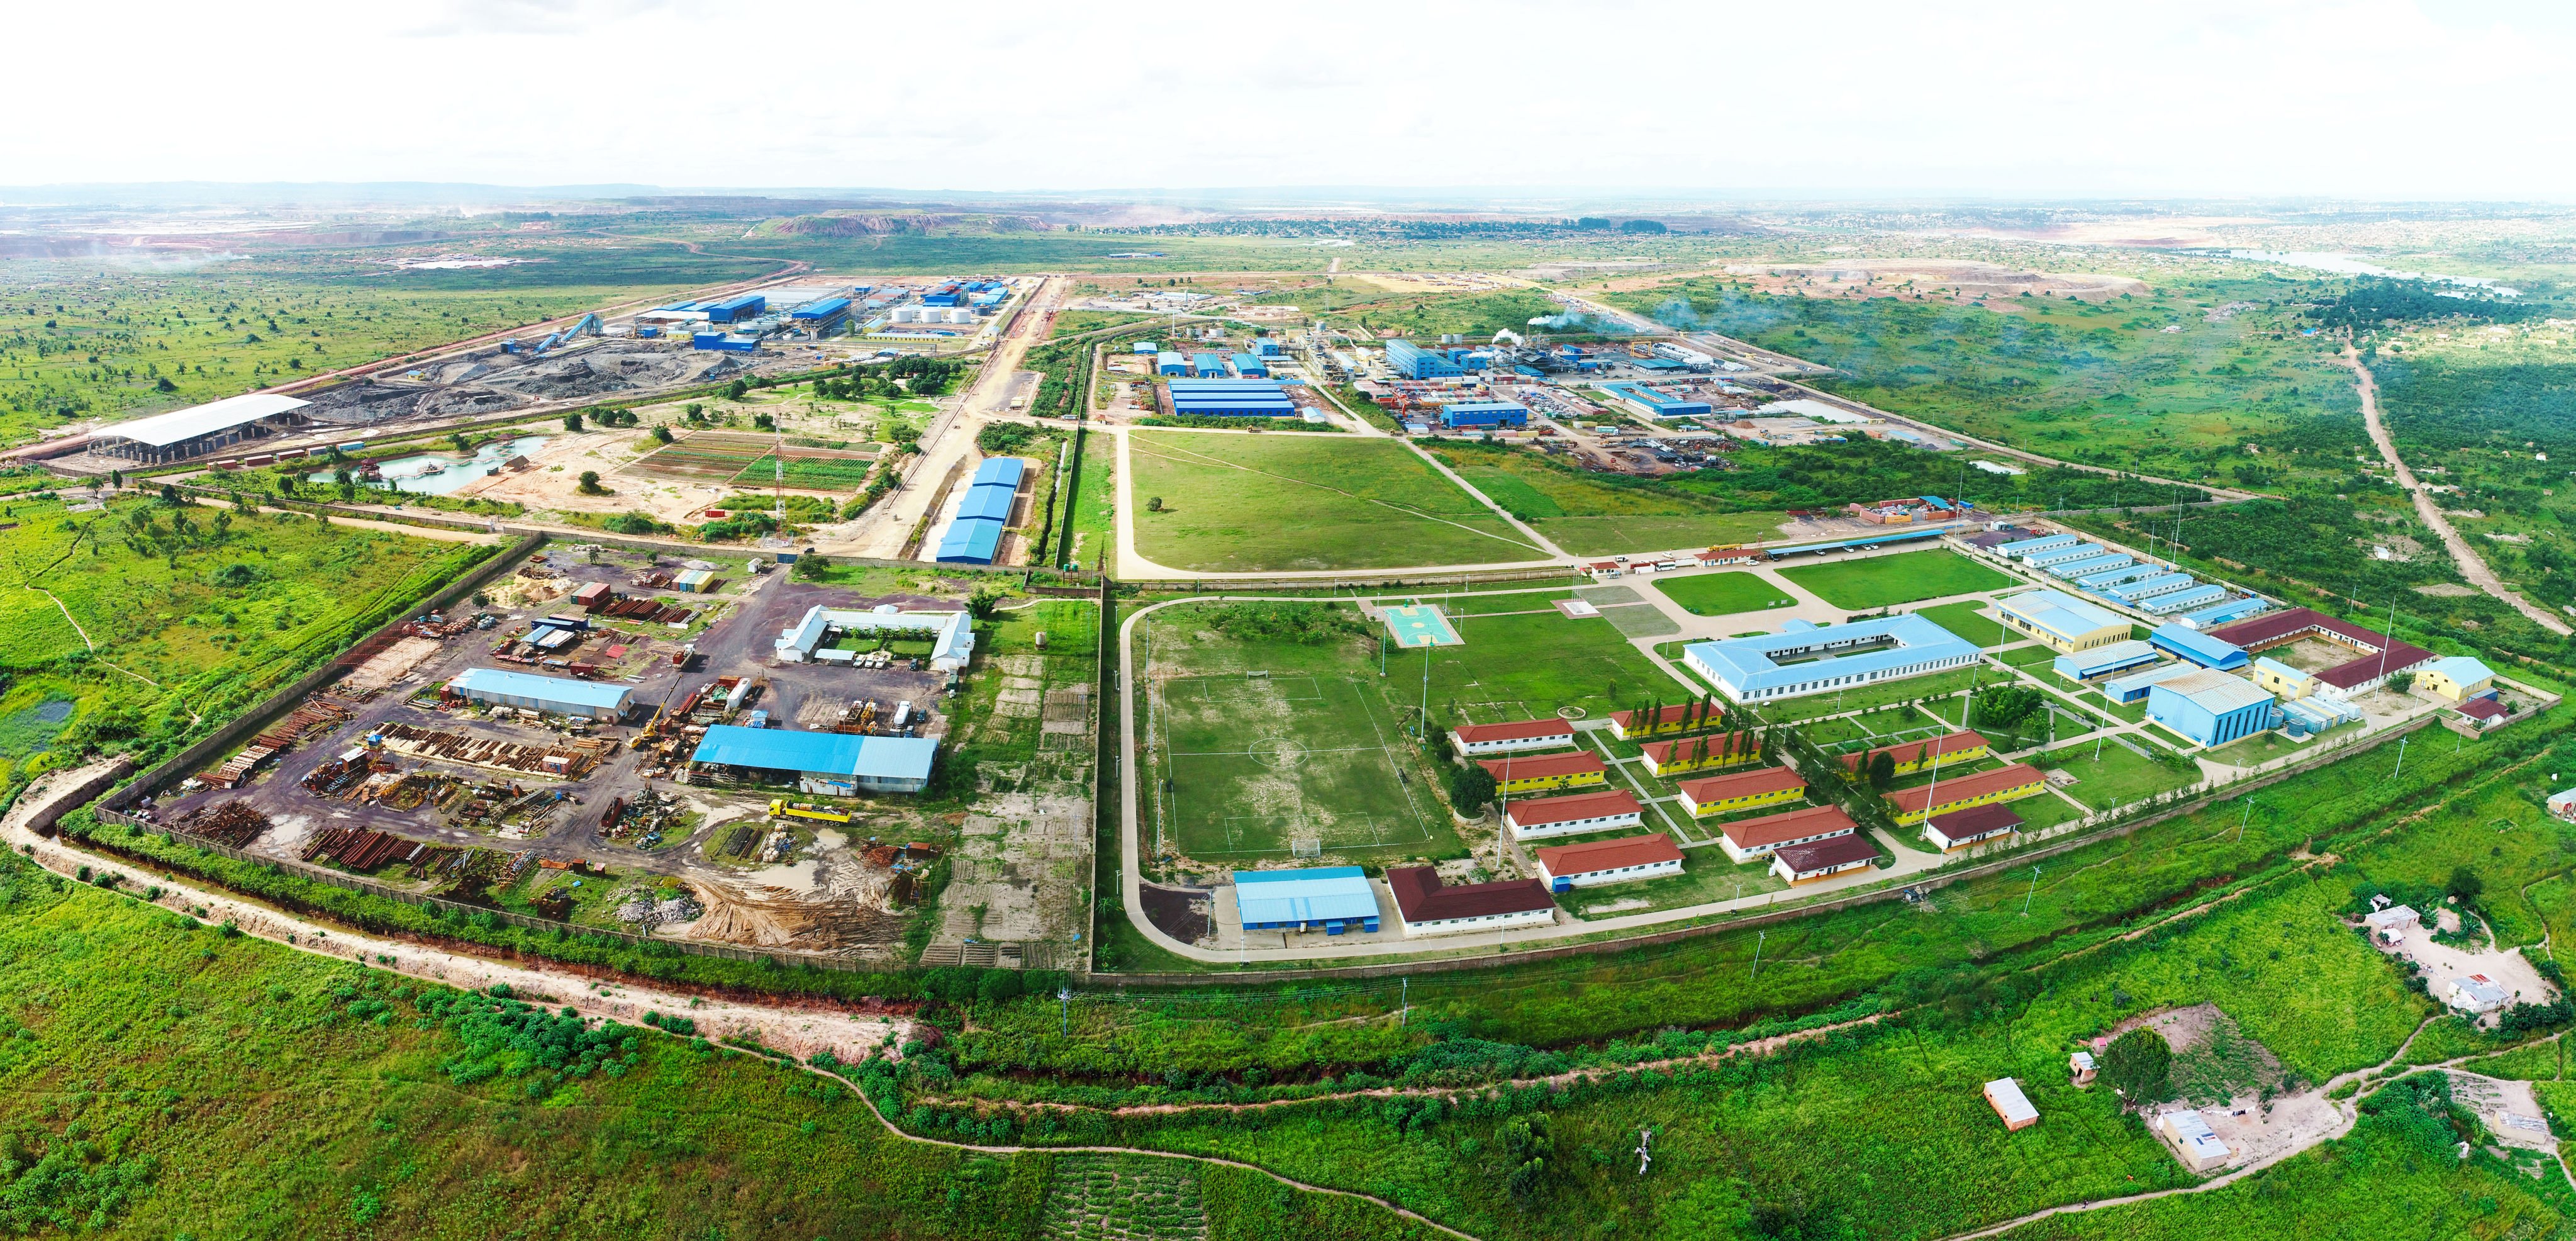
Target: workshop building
pixel 527 691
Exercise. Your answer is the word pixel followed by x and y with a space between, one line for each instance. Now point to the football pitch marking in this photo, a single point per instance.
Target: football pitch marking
pixel 1283 757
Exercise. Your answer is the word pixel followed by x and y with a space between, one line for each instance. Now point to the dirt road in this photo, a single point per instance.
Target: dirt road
pixel 2472 566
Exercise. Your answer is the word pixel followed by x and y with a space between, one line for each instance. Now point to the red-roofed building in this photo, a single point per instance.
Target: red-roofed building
pixel 1960 792
pixel 1423 906
pixel 2483 713
pixel 1912 756
pixel 1624 860
pixel 1605 568
pixel 1540 772
pixel 1821 859
pixel 1476 740
pixel 2381 656
pixel 1728 555
pixel 1747 839
pixel 1974 825
pixel 1569 816
pixel 1744 790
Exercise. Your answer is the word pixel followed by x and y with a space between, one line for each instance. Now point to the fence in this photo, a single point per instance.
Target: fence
pixel 2113 824
pixel 1392 581
pixel 369 887
pixel 249 723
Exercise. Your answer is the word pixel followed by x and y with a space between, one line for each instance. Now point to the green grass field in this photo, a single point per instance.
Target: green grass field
pixel 2117 778
pixel 1591 514
pixel 1246 503
pixel 1963 619
pixel 1869 582
pixel 1251 763
pixel 1722 594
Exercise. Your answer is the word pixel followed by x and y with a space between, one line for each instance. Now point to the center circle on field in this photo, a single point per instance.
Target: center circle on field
pixel 1569 713
pixel 1278 753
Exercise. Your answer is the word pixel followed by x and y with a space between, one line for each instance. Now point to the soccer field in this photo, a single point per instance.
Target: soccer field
pixel 1252 764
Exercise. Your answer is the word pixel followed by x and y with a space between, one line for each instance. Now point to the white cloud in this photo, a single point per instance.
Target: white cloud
pixel 2362 98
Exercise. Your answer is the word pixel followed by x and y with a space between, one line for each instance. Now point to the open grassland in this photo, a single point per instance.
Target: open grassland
pixel 151 622
pixel 2117 777
pixel 1722 594
pixel 1883 581
pixel 1597 514
pixel 1239 503
pixel 1964 620
pixel 2106 383
pixel 78 341
pixel 164 1079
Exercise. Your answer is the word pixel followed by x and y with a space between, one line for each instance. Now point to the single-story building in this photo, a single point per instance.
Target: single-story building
pixel 2081 1069
pixel 2133 687
pixel 1471 740
pixel 2200 1149
pixel 2019 780
pixel 2197 646
pixel 2103 661
pixel 1743 790
pixel 2061 620
pixel 827 763
pixel 2282 681
pixel 1805 658
pixel 2563 804
pixel 2390 925
pixel 1747 839
pixel 1666 758
pixel 2477 995
pixel 1514 773
pixel 1716 556
pixel 2004 1095
pixel 2455 678
pixel 2481 713
pixel 1571 816
pixel 1595 862
pixel 1974 825
pixel 1332 899
pixel 1424 906
pixel 1947 750
pixel 1630 725
pixel 526 691
pixel 951 634
pixel 1818 859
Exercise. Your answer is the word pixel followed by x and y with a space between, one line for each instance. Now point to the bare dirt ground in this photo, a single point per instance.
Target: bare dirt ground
pixel 2444 963
pixel 2510 1109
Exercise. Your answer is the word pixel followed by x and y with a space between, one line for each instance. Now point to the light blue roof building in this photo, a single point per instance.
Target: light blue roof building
pixel 563 696
pixel 1830 657
pixel 828 763
pixel 2103 660
pixel 2100 562
pixel 2163 583
pixel 2183 600
pixel 2112 577
pixel 2198 647
pixel 2209 708
pixel 2045 542
pixel 2134 686
pixel 1332 899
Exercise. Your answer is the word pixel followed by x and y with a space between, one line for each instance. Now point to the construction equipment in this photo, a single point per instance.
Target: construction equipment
pixel 781 810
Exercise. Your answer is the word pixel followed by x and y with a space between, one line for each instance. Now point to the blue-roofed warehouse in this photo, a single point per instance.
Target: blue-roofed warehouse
pixel 1655 404
pixel 2105 660
pixel 1484 414
pixel 1170 363
pixel 2133 686
pixel 1206 365
pixel 1415 362
pixel 1332 899
pixel 991 502
pixel 1148 347
pixel 2068 554
pixel 1250 367
pixel 1001 470
pixel 527 691
pixel 735 309
pixel 2149 588
pixel 2221 613
pixel 2198 647
pixel 2183 600
pixel 1883 649
pixel 2102 563
pixel 2015 551
pixel 1231 398
pixel 2209 708
pixel 823 314
pixel 2113 577
pixel 828 763
pixel 1266 346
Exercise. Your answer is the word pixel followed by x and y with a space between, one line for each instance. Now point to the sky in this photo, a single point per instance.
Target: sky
pixel 2372 99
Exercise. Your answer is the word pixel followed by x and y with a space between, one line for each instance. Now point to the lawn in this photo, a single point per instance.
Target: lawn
pixel 1090 529
pixel 1515 667
pixel 1246 503
pixel 1592 514
pixel 1722 594
pixel 2260 748
pixel 1867 583
pixel 1962 618
pixel 1251 763
pixel 1937 686
pixel 2117 778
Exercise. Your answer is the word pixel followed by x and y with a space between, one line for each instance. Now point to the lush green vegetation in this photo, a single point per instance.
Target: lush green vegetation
pixel 1882 581
pixel 2105 383
pixel 1252 502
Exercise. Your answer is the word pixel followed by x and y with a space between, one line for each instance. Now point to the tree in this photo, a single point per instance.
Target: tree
pixel 1153 504
pixel 572 421
pixel 590 484
pixel 2465 886
pixel 456 440
pixel 1882 769
pixel 1526 1147
pixel 2402 682
pixel 764 422
pixel 737 390
pixel 986 601
pixel 662 435
pixel 1470 788
pixel 169 493
pixel 2136 1064
pixel 811 565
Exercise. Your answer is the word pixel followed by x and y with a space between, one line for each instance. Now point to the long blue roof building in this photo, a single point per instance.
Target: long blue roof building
pixel 1829 657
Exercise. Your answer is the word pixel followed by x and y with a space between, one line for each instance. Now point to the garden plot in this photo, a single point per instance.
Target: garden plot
pixel 1123 1198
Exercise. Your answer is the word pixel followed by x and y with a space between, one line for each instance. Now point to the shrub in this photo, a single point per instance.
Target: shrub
pixel 2137 1064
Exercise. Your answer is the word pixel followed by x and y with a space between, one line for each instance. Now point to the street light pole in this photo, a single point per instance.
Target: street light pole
pixel 2034 891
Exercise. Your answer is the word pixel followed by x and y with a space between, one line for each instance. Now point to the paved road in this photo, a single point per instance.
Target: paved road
pixel 2472 566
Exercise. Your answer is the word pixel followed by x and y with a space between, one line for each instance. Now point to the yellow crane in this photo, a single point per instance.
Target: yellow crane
pixel 781 810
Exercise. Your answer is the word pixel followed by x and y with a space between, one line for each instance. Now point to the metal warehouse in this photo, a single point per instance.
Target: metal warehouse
pixel 975 537
pixel 736 309
pixel 184 433
pixel 1822 660
pixel 553 695
pixel 1415 362
pixel 1250 367
pixel 1206 365
pixel 1170 363
pixel 1332 899
pixel 1253 398
pixel 2209 708
pixel 827 763
pixel 952 644
pixel 1484 414
pixel 2062 621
